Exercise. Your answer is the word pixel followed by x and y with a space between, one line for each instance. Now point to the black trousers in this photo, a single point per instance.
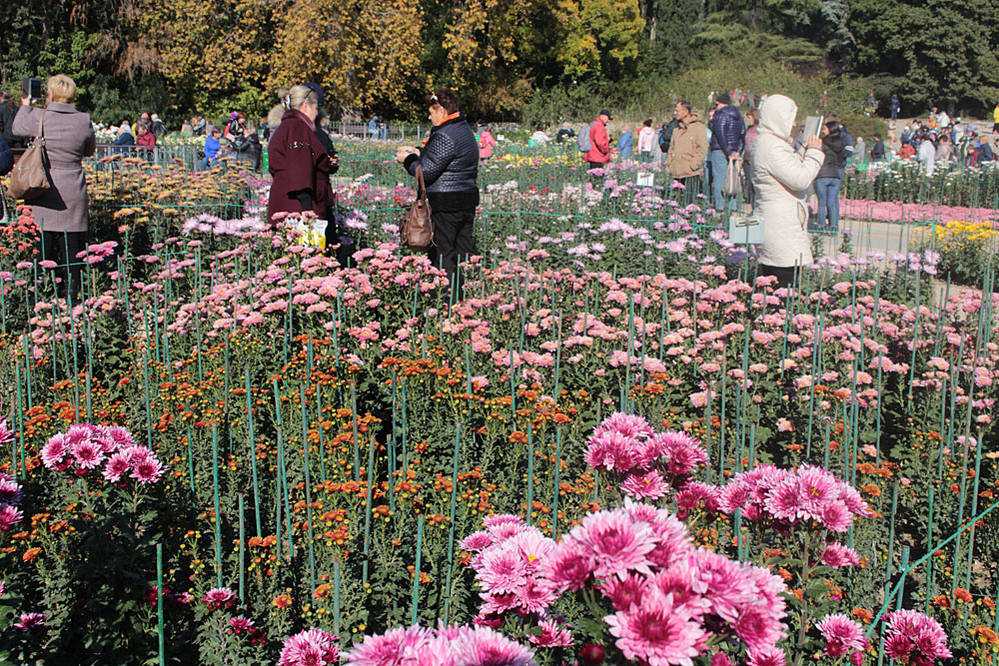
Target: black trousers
pixel 692 186
pixel 453 239
pixel 786 276
pixel 62 248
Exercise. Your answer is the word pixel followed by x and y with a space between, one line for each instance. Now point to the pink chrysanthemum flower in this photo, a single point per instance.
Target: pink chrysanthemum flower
pixel 219 597
pixel 616 543
pixel 147 471
pixel 241 625
pixel 816 488
pixel 656 632
pixel 836 517
pixel 649 485
pixel 784 502
pixel 116 466
pixel 54 451
pixel 87 454
pixel 612 451
pixel 696 495
pixel 723 582
pixel 838 556
pixel 624 592
pixel 389 648
pixel 501 570
pixel 915 637
pixel 477 541
pixel 679 582
pixel 9 516
pixel 684 453
pixel 6 434
pixel 766 657
pixel 481 646
pixel 10 490
pixel 843 636
pixel 312 647
pixel 552 635
pixel 628 425
pixel 29 621
pixel 569 566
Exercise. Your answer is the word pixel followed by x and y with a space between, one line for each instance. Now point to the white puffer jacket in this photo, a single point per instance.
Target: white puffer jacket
pixel 781 178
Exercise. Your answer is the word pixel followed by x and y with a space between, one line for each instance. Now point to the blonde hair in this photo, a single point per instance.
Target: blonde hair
pixel 299 95
pixel 274 116
pixel 61 88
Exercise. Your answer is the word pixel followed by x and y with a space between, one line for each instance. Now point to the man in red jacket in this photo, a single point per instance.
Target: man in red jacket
pixel 599 153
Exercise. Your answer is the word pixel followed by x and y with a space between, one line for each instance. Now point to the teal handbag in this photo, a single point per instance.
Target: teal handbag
pixel 745 229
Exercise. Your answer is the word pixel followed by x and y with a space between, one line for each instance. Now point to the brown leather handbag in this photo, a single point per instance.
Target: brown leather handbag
pixel 417 230
pixel 30 177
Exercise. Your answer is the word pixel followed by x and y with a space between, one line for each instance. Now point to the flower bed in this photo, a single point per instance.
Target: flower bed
pixel 318 457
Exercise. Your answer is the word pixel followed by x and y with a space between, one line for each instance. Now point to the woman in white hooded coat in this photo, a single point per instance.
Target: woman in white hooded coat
pixel 781 178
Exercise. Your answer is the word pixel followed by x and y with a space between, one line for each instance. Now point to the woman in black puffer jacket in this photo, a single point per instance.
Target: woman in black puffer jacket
pixel 450 162
pixel 828 182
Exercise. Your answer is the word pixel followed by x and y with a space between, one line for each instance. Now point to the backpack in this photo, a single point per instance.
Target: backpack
pixel 666 135
pixel 583 139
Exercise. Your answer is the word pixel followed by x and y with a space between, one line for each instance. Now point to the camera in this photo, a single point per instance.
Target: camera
pixel 31 87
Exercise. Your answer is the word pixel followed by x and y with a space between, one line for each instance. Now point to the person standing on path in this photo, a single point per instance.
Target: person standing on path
pixel 781 178
pixel 646 141
pixel 599 153
pixel 450 164
pixel 830 176
pixel 688 146
pixel 727 132
pixel 61 212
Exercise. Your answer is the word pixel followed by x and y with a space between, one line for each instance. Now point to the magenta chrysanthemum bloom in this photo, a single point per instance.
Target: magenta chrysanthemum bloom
pixel 766 657
pixel 477 541
pixel 312 647
pixel 6 434
pixel 838 556
pixel 389 648
pixel 552 635
pixel 569 566
pixel 121 437
pixel 219 597
pixel 696 495
pixel 836 517
pixel 54 451
pixel 29 621
pixel 147 471
pixel 843 636
pixel 10 490
pixel 616 543
pixel 241 625
pixel 816 488
pixel 784 502
pixel 612 451
pixel 9 516
pixel 684 453
pixel 624 592
pixel 481 646
pixel 501 570
pixel 915 637
pixel 628 425
pixel 649 485
pixel 87 454
pixel 679 581
pixel 502 519
pixel 116 466
pixel 723 582
pixel 656 632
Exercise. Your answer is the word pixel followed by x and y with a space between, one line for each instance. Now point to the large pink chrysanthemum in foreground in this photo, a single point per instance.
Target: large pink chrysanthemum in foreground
pixel 656 631
pixel 843 636
pixel 312 647
pixel 915 637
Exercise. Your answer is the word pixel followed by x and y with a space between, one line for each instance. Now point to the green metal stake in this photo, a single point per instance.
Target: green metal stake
pixel 160 629
pixel 252 450
pixel 218 509
pixel 415 597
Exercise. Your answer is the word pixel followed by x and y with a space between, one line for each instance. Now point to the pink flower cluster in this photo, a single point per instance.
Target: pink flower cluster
pixel 669 598
pixel 10 497
pixel 507 565
pixel 843 637
pixel 649 461
pixel 805 495
pixel 219 597
pixel 85 447
pixel 915 638
pixel 312 647
pixel 445 646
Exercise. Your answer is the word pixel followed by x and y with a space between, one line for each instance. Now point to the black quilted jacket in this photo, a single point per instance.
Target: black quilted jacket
pixel 450 162
pixel 727 130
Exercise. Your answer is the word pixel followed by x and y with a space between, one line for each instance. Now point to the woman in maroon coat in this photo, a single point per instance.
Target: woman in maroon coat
pixel 298 162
